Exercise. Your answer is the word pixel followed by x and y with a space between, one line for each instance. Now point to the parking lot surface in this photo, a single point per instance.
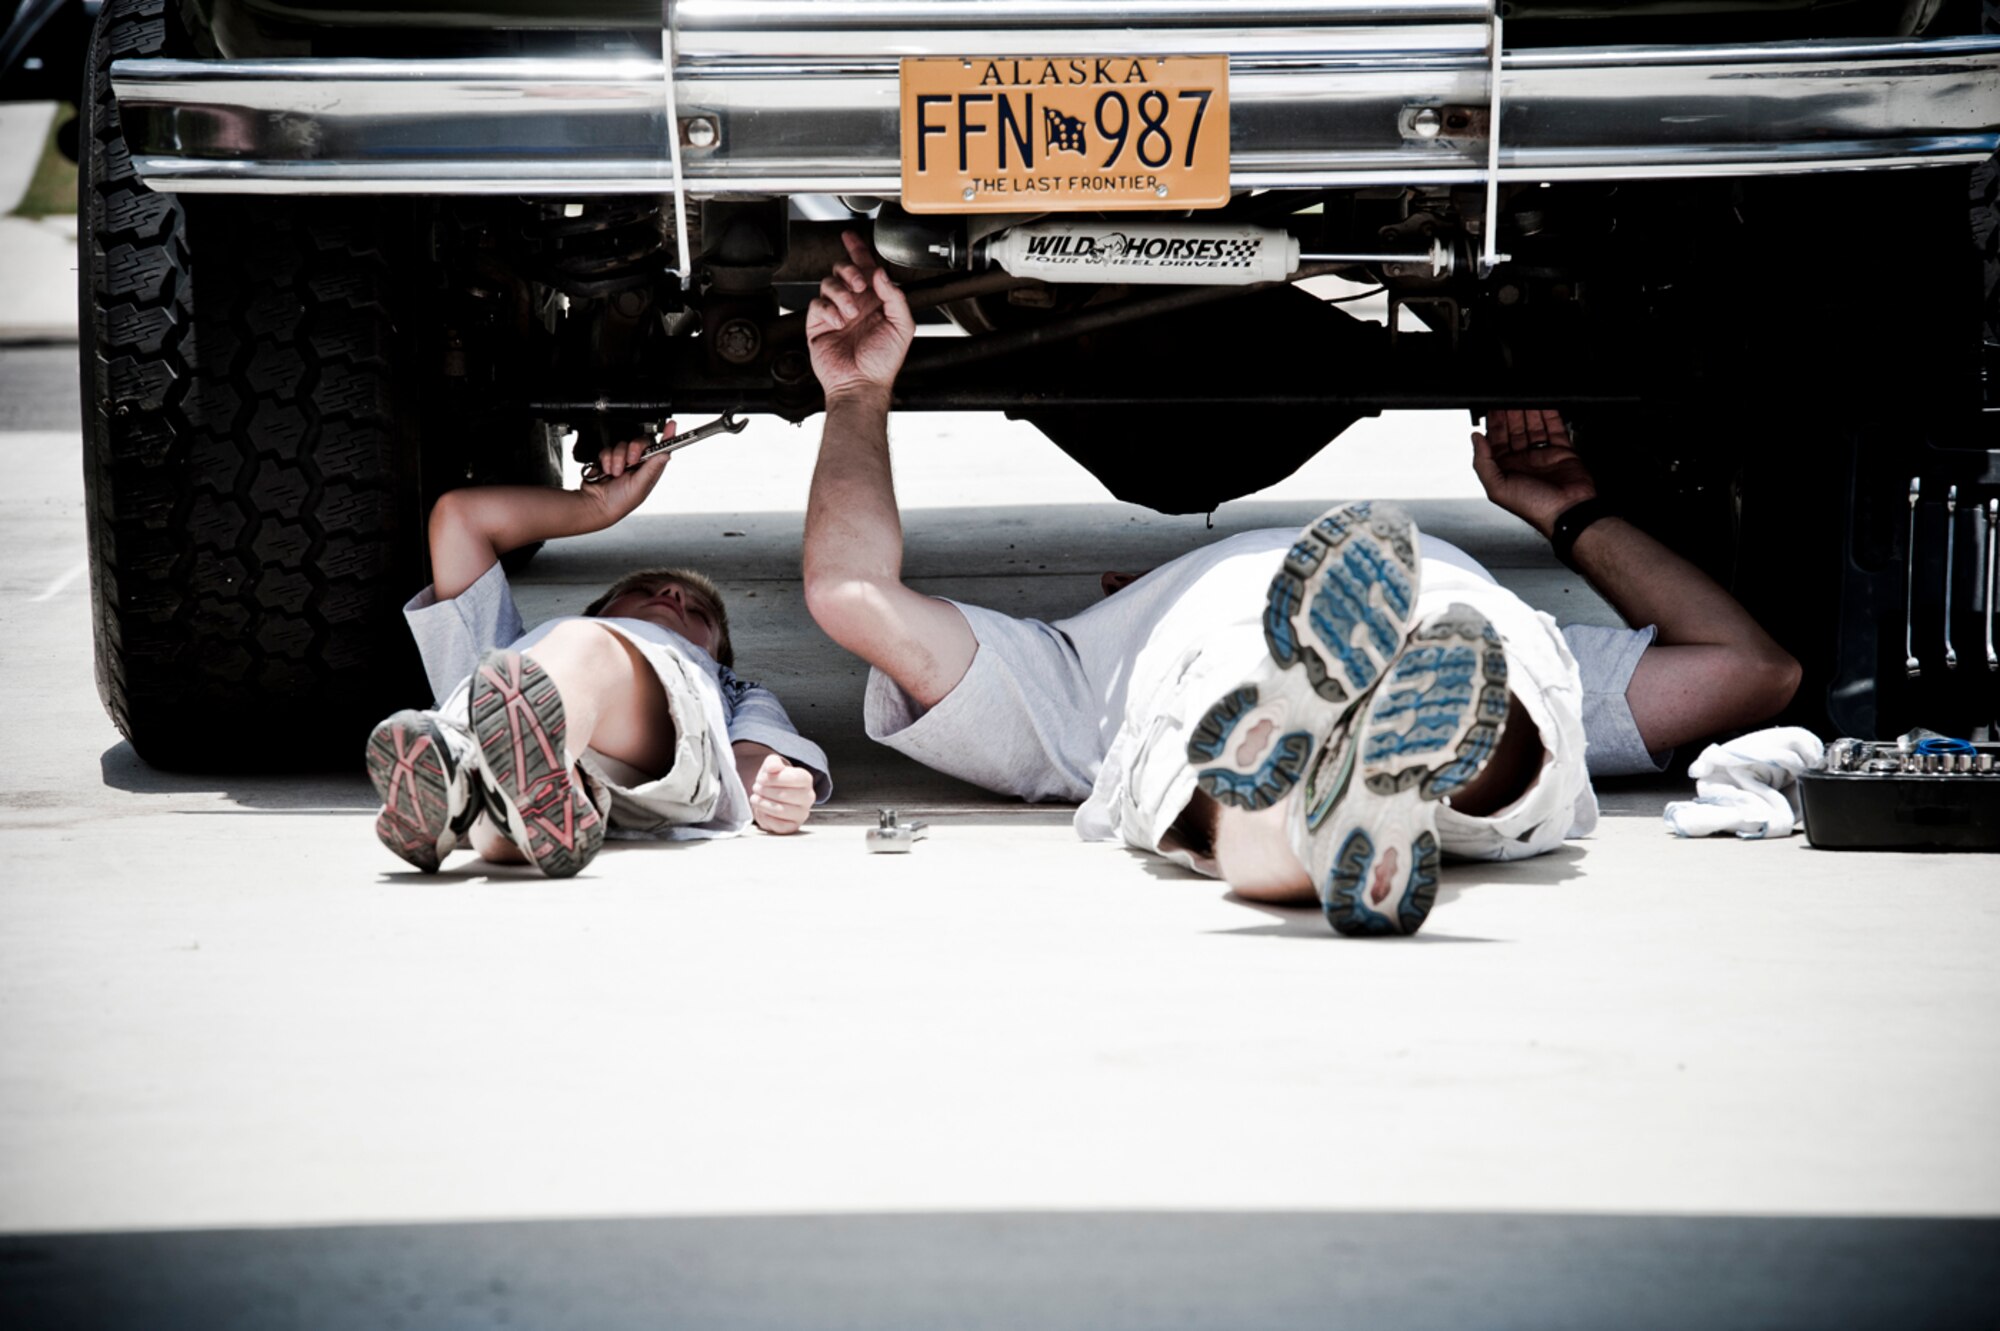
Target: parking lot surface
pixel 257 1072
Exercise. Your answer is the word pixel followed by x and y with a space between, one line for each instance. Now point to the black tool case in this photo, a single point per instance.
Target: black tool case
pixel 1879 797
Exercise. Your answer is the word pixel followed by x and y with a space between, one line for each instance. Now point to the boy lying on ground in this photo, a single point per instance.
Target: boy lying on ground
pixel 629 716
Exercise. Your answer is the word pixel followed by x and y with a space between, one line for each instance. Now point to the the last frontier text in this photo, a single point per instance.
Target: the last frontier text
pixel 1121 119
pixel 1089 183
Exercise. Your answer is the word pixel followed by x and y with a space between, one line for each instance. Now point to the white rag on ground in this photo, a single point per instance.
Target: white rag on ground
pixel 1749 786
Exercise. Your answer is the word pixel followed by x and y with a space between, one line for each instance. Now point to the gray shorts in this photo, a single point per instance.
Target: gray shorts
pixel 1022 722
pixel 1606 658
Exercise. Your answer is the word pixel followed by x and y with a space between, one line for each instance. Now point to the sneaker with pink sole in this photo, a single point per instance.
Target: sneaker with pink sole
pixel 518 726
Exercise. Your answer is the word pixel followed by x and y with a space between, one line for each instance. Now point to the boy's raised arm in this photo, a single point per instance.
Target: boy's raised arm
pixel 470 529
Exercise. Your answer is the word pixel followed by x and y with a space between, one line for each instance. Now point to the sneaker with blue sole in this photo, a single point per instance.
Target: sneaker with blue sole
pixel 1380 717
pixel 1365 824
pixel 1336 617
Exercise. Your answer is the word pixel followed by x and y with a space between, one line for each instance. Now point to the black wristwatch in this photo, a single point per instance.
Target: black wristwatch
pixel 1569 525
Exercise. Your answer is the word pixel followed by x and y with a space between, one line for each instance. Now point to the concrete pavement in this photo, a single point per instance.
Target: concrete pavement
pixel 38 279
pixel 253 1072
pixel 37 255
pixel 24 128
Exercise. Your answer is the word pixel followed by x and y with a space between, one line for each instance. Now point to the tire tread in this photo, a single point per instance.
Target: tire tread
pixel 248 482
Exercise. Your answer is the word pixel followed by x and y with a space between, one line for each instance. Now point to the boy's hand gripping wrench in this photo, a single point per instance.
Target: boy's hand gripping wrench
pixel 727 423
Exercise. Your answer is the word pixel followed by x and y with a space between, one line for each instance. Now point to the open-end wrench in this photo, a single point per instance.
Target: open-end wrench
pixel 1992 542
pixel 1950 559
pixel 1910 662
pixel 727 423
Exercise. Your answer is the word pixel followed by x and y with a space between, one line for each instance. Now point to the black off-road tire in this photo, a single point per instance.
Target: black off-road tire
pixel 252 500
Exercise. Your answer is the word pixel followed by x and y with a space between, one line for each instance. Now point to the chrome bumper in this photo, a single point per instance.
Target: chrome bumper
pixel 801 97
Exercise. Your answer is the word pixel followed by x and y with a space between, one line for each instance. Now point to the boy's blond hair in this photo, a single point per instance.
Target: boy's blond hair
pixel 724 653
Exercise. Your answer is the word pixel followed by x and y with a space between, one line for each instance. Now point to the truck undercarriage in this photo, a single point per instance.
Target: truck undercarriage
pixel 336 263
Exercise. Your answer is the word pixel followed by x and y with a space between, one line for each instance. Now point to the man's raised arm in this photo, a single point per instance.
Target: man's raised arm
pixel 857 331
pixel 1713 667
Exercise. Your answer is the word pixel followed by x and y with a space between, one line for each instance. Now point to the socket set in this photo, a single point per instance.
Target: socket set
pixel 1904 795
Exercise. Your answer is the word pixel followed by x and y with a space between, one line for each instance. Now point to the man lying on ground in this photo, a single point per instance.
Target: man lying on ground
pixel 629 715
pixel 1320 714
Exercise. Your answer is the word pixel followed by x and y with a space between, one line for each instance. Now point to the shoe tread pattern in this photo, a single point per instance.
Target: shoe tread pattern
pixel 1360 890
pixel 409 766
pixel 1437 721
pixel 1337 610
pixel 518 724
pixel 1430 728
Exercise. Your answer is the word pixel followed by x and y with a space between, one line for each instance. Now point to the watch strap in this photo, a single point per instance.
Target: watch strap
pixel 1570 524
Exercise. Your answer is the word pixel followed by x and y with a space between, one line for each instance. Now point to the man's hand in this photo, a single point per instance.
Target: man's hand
pixel 781 796
pixel 627 481
pixel 1712 667
pixel 858 328
pixel 1526 465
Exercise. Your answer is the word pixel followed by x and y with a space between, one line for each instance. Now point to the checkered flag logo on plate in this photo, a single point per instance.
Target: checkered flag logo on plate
pixel 1064 132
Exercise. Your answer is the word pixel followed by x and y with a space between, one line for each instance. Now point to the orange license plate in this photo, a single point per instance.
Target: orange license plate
pixel 1065 133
